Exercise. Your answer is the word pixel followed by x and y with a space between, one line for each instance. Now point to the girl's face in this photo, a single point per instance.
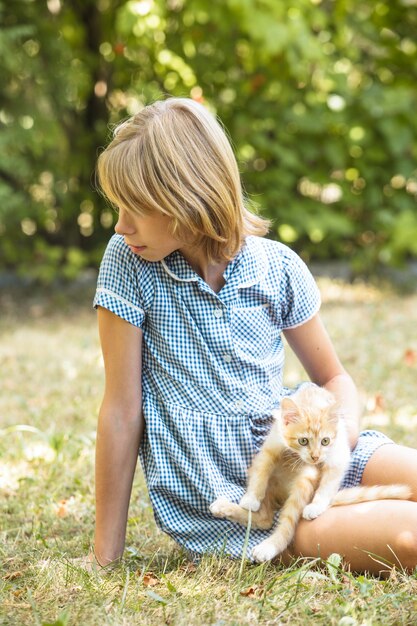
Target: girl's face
pixel 149 236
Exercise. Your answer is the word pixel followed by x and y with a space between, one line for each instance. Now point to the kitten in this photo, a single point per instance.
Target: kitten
pixel 299 468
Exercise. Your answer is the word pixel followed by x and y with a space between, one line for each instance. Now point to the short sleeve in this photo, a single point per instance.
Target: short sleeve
pixel 123 285
pixel 300 296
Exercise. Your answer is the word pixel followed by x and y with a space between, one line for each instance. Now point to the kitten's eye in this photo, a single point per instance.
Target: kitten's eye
pixel 325 441
pixel 303 441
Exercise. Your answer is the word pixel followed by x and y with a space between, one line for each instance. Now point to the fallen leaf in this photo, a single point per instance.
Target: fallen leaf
pixel 410 357
pixel 251 592
pixel 376 404
pixel 13 575
pixel 62 510
pixel 150 580
pixel 189 568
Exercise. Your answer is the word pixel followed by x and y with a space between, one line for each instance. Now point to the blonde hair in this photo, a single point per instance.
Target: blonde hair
pixel 174 157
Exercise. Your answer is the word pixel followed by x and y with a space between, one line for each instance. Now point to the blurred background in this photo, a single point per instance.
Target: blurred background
pixel 319 97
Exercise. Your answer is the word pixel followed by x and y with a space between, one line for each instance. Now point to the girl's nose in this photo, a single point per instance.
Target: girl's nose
pixel 123 225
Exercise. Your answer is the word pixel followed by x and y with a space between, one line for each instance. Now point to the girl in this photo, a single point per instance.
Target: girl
pixel 192 304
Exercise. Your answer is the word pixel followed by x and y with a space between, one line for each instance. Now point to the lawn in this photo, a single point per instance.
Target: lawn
pixel 51 383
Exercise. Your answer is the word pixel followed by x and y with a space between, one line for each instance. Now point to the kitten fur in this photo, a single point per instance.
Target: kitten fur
pixel 299 470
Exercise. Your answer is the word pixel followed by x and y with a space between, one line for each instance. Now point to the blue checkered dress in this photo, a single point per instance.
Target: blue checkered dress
pixel 212 374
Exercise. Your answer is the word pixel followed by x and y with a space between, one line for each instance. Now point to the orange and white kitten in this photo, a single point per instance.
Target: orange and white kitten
pixel 299 469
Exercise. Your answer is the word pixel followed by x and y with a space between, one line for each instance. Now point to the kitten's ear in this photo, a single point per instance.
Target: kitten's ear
pixel 289 411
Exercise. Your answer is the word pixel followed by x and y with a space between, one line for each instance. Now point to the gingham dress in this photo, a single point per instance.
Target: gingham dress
pixel 212 374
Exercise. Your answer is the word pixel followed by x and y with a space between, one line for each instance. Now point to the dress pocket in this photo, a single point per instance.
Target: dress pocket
pixel 253 331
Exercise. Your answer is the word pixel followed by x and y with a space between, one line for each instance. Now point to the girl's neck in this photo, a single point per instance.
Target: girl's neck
pixel 211 273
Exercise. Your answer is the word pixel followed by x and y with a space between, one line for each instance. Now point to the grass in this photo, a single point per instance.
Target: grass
pixel 51 385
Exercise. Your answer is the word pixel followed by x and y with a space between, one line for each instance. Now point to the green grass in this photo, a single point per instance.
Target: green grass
pixel 51 383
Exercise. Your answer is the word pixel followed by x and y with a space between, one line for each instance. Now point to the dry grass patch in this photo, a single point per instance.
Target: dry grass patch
pixel 51 385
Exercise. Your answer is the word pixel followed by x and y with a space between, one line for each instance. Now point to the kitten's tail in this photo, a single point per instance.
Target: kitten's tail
pixel 352 495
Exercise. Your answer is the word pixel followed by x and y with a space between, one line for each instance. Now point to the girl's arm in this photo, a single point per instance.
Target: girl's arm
pixel 313 347
pixel 119 431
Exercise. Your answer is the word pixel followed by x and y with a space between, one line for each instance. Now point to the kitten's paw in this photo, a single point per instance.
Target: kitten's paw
pixel 264 551
pixel 219 507
pixel 250 502
pixel 313 510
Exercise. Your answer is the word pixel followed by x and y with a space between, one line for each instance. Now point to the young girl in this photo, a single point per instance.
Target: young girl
pixel 192 304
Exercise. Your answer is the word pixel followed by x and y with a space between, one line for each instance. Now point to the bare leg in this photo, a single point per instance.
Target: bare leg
pixel 386 528
pixel 392 464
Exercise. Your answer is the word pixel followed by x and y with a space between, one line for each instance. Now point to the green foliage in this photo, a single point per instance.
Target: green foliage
pixel 319 99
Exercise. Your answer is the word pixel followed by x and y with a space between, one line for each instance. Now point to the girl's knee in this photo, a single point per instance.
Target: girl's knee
pixel 405 548
pixel 392 464
pixel 307 539
pixel 394 540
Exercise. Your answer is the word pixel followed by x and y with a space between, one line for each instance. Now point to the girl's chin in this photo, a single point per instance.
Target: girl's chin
pixel 146 254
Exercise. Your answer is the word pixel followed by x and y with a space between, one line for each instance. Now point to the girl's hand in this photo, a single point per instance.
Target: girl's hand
pixel 88 563
pixel 101 563
pixel 91 564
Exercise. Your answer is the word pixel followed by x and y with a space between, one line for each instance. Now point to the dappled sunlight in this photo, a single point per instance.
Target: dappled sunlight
pixel 75 506
pixel 11 474
pixel 380 421
pixel 341 292
pixel 52 384
pixel 51 368
pixel 376 416
pixel 40 452
pixel 406 418
pixel 373 330
pixel 319 101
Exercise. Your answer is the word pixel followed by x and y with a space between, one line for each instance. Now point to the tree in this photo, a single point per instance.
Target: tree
pixel 318 97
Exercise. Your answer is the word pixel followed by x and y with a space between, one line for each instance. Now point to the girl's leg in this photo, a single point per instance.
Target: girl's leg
pixel 386 528
pixel 392 464
pixel 361 533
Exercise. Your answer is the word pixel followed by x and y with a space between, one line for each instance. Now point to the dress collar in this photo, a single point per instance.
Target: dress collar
pixel 178 268
pixel 253 263
pixel 244 270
